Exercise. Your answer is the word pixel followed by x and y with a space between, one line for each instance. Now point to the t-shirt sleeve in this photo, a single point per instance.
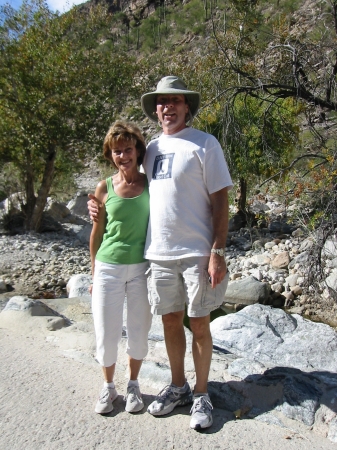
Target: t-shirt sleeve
pixel 216 173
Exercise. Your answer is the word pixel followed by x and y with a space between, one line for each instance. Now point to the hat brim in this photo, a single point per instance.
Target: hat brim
pixel 148 101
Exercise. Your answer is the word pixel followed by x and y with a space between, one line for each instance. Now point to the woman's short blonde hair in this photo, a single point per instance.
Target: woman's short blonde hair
pixel 121 131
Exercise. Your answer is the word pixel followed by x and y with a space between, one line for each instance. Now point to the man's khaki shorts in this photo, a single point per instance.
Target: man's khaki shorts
pixel 175 283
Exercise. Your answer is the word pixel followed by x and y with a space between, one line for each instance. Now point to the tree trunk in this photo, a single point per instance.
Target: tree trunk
pixel 241 196
pixel 33 222
pixel 28 208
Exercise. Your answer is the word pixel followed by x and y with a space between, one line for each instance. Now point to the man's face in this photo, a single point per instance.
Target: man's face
pixel 171 110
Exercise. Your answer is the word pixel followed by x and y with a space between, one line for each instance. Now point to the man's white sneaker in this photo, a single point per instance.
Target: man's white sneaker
pixel 201 412
pixel 133 398
pixel 170 397
pixel 106 397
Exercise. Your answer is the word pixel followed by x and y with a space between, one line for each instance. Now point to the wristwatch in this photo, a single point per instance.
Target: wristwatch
pixel 218 251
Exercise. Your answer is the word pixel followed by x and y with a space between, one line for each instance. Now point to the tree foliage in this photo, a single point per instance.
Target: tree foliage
pixel 58 92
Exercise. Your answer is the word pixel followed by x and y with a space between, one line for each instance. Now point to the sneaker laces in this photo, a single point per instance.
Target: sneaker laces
pixel 132 392
pixel 201 404
pixel 104 395
pixel 166 392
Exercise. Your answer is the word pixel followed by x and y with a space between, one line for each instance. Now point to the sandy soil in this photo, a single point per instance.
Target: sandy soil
pixel 47 402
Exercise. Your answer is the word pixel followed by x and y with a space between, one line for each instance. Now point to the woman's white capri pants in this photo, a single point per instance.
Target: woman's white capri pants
pixel 112 283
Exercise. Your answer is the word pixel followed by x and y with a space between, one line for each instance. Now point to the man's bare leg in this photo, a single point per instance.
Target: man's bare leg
pixel 175 341
pixel 201 412
pixel 202 348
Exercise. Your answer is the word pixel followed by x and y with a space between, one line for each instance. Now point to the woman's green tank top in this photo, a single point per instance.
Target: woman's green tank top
pixel 127 219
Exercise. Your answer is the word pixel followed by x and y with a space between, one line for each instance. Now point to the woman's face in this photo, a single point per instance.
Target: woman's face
pixel 124 155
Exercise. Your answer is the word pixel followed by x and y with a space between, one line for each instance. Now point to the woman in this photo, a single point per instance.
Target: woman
pixel 116 248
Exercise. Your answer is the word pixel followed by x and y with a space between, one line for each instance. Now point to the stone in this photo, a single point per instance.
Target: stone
pixel 3 287
pixel 302 258
pixel 78 285
pixel 258 207
pixel 288 295
pixel 298 232
pixel 291 280
pixel 277 287
pixel 32 307
pixel 247 291
pixel 29 314
pixel 256 273
pixel 261 259
pixel 57 210
pixel 331 280
pixel 330 248
pixel 281 261
pixel 238 241
pixel 234 276
pixel 332 434
pixel 274 337
pixel 306 245
pixel 300 398
pixel 236 222
pixel 78 205
pixel 296 290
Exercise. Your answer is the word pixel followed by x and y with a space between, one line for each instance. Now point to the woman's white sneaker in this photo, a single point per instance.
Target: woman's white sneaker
pixel 106 397
pixel 133 398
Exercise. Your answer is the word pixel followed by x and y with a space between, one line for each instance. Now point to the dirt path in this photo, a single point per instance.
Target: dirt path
pixel 47 402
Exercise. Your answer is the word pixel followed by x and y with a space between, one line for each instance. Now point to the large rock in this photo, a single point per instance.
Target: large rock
pixel 236 222
pixel 275 338
pixel 78 285
pixel 31 314
pixel 78 205
pixel 57 210
pixel 247 292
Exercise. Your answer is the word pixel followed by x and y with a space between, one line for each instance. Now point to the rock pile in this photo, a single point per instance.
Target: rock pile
pixel 41 265
pixel 272 268
pixel 267 265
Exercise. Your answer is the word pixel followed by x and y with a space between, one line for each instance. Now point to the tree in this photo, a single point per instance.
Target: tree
pixel 257 144
pixel 59 91
pixel 288 62
pixel 292 57
pixel 267 75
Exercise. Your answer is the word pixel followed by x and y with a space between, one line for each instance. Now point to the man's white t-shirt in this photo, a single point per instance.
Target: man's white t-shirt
pixel 183 170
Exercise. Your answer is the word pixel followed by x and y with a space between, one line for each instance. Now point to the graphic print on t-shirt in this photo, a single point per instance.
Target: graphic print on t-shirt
pixel 162 167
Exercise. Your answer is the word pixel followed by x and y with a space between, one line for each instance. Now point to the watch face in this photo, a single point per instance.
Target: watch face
pixel 218 251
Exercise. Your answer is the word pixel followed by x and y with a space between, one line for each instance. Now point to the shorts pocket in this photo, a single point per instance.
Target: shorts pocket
pixel 220 290
pixel 151 289
pixel 215 297
pixel 208 299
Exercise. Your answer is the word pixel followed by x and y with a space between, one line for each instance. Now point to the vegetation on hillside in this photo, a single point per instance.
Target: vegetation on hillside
pixel 266 71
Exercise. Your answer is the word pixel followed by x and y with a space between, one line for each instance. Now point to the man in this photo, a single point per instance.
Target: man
pixel 186 239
